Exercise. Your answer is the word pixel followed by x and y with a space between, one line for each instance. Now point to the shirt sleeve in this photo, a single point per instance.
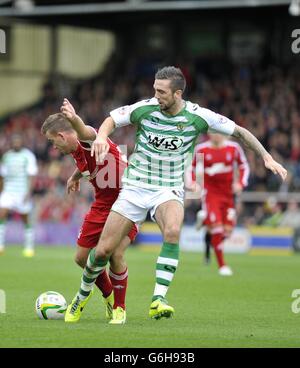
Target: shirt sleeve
pixel 217 123
pixel 121 116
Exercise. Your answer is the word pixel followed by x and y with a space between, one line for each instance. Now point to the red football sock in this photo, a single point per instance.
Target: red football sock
pixel 104 284
pixel 119 282
pixel 217 238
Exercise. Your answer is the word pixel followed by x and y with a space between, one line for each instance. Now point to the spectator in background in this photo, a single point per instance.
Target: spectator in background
pixel 265 100
pixel 291 216
pixel 273 213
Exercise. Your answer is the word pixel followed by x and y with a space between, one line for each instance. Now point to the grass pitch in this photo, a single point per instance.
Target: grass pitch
pixel 250 309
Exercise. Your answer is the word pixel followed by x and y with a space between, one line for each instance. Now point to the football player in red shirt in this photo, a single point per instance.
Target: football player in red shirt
pixel 216 160
pixel 68 133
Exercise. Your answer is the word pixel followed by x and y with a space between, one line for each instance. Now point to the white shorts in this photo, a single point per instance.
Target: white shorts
pixel 15 203
pixel 135 202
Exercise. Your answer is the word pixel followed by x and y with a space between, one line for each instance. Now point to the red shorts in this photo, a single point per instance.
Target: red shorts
pixel 93 225
pixel 219 210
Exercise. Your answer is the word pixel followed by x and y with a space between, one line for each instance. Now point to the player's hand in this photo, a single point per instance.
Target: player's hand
pixel 68 110
pixel 275 167
pixel 100 148
pixel 73 185
pixel 194 187
pixel 237 188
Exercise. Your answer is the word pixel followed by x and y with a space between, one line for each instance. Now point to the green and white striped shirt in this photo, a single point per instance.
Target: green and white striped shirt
pixel 165 143
pixel 15 168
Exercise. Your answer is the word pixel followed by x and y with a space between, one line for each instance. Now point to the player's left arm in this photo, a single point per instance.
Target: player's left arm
pixel 84 132
pixel 73 183
pixel 250 141
pixel 221 124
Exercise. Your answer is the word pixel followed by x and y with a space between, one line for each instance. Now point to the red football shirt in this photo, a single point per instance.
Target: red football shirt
pixel 105 178
pixel 218 165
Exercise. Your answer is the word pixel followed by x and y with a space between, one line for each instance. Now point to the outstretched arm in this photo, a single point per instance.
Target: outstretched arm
pixel 250 141
pixel 84 132
pixel 100 146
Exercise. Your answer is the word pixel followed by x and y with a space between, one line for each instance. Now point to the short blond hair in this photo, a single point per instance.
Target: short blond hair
pixel 56 123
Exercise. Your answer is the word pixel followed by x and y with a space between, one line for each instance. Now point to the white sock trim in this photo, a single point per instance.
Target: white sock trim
pixel 160 290
pixel 118 277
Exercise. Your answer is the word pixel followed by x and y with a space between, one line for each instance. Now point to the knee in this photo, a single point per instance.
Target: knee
pixel 102 253
pixel 117 261
pixel 172 233
pixel 81 261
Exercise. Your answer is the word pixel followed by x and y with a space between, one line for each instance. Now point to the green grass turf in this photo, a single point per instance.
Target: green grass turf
pixel 250 309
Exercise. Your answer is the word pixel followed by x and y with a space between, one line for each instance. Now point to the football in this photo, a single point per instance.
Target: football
pixel 50 305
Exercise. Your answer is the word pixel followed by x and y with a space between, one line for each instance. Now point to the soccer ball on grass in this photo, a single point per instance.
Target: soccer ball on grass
pixel 50 305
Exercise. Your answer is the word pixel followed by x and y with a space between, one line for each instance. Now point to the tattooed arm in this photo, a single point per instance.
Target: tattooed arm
pixel 248 139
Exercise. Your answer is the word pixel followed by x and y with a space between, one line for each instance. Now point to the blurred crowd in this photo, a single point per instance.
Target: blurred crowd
pixel 264 99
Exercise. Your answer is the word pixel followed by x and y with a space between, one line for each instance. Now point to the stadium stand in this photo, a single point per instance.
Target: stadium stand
pixel 265 100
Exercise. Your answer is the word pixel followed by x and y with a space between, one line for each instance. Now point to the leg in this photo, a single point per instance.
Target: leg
pixel 117 259
pixel 29 236
pixel 169 217
pixel 118 275
pixel 81 256
pixel 214 222
pixel 229 220
pixel 3 218
pixel 217 237
pixel 102 282
pixel 207 241
pixel 116 227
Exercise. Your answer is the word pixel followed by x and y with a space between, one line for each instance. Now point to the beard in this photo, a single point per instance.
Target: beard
pixel 166 107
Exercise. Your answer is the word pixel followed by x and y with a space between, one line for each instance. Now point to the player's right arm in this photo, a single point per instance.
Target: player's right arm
pixel 84 132
pixel 100 146
pixel 118 118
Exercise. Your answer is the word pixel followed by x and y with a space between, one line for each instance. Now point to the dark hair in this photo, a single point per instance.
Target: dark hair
pixel 56 123
pixel 175 75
